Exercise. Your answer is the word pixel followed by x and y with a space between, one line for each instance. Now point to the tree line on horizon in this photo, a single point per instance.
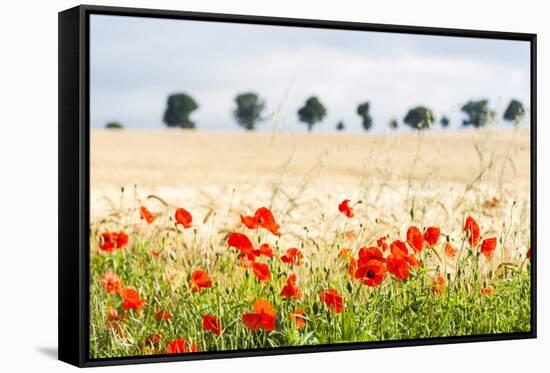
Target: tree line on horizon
pixel 250 107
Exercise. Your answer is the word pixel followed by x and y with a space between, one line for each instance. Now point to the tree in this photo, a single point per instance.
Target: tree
pixel 312 112
pixel 178 108
pixel 249 109
pixel 478 113
pixel 363 111
pixel 444 122
pixel 392 124
pixel 340 126
pixel 419 117
pixel 114 125
pixel 514 112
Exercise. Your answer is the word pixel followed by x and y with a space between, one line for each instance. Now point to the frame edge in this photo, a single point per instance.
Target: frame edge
pixel 70 349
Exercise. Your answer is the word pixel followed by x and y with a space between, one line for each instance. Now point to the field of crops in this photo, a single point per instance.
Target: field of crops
pixel 237 241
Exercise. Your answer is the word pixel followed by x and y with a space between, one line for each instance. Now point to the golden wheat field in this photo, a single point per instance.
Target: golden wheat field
pixel 393 182
pixel 442 175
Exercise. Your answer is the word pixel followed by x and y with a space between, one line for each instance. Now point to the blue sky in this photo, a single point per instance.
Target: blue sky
pixel 137 62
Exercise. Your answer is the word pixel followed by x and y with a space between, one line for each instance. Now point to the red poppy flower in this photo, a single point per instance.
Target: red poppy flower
pixel 415 239
pixel 155 253
pixel 293 256
pixel 372 272
pixel 180 346
pixel 111 282
pixel 290 290
pixel 264 250
pixel 249 222
pixel 431 236
pixel 162 315
pixel 332 299
pixel 413 262
pixel 242 243
pixel 247 263
pixel 297 318
pixel 263 217
pixel 264 316
pixel 345 209
pixel 261 271
pixel 112 241
pixel 473 231
pixel 211 323
pixel 488 247
pixel 381 243
pixel 450 251
pixel 254 321
pixel 146 214
pixel 398 266
pixel 200 280
pixel 153 340
pixel 183 217
pixel 112 314
pixel 398 248
pixel 487 291
pixel 438 286
pixel 131 300
pixel 528 254
pixel 492 202
pixel 368 254
pixel 352 267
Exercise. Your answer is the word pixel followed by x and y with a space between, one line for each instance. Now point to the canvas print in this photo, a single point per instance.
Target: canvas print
pixel 257 187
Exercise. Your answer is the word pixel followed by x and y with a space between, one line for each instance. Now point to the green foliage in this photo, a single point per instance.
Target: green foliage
pixel 249 110
pixel 312 112
pixel 114 125
pixel 363 111
pixel 444 122
pixel 420 118
pixel 393 124
pixel 514 112
pixel 178 108
pixel 478 113
pixel 394 310
pixel 340 126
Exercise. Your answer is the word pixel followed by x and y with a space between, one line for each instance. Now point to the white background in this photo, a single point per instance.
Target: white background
pixel 28 185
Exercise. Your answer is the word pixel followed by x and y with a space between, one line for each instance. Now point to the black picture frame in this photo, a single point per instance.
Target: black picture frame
pixel 74 191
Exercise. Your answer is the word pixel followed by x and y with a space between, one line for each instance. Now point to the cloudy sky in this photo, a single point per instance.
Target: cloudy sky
pixel 137 62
